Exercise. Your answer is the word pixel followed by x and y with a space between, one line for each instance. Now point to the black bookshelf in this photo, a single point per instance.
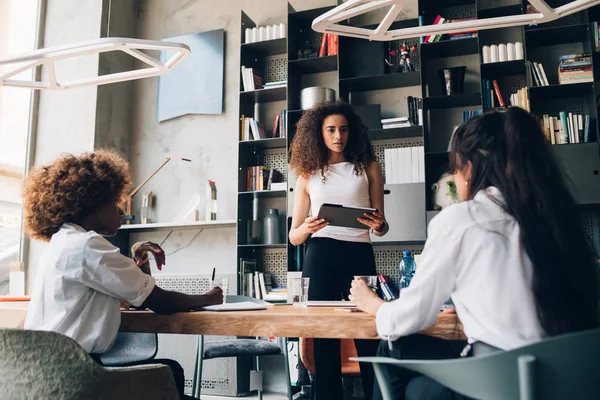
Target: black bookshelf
pixel 368 80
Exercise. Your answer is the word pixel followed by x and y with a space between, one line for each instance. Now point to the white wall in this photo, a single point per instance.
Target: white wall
pixel 211 141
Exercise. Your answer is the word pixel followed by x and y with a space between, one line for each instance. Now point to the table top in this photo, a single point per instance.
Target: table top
pixel 280 321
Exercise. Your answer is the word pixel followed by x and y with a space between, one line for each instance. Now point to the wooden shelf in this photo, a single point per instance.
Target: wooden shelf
pixel 158 226
pixel 450 48
pixel 396 133
pixel 313 65
pixel 267 47
pixel 537 37
pixel 380 82
pixel 455 101
pixel 269 143
pixel 560 91
pixel 501 69
pixel 266 95
pixel 263 194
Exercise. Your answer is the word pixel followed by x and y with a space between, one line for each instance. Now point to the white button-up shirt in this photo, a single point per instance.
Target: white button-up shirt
pixel 473 255
pixel 81 282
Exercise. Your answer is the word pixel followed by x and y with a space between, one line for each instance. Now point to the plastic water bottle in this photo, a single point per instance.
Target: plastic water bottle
pixel 407 269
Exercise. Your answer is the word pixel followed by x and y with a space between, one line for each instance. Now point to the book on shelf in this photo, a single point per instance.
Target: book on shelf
pixel 278 186
pixel 575 68
pixel 520 99
pixel 595 35
pixel 565 128
pixel 415 110
pixel 280 124
pixel 261 178
pixel 274 84
pixel 537 74
pixel 251 80
pixel 498 93
pixel 404 165
pixel 251 129
pixel 451 36
pixel 329 45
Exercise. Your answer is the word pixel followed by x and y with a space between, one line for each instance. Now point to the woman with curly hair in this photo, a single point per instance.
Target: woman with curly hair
pixel 334 161
pixel 72 203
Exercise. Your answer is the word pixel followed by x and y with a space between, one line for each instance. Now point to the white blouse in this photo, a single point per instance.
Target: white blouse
pixel 473 255
pixel 78 291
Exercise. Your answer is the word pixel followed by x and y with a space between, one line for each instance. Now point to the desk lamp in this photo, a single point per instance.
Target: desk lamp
pixel 128 217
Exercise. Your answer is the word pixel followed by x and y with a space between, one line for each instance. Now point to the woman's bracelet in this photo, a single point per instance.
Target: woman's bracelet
pixel 382 227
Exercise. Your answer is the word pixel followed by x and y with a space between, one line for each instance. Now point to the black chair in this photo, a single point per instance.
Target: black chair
pixel 130 348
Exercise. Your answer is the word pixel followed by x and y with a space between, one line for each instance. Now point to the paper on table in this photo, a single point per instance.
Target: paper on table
pixel 241 306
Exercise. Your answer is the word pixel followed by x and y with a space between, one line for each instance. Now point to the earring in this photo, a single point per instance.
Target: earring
pixel 466 183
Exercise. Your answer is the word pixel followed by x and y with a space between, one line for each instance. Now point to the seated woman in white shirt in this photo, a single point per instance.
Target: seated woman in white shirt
pixel 72 203
pixel 513 256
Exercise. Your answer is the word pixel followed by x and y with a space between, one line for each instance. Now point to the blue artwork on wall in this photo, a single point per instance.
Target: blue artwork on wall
pixel 196 85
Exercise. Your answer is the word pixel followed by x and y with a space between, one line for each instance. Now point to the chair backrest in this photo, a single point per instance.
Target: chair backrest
pixel 347 349
pixel 563 367
pixel 48 365
pixel 131 347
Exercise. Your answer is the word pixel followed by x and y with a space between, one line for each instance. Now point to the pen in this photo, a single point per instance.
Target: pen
pixel 212 281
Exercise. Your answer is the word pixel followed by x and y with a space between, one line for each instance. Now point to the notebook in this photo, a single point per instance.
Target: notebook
pixel 241 306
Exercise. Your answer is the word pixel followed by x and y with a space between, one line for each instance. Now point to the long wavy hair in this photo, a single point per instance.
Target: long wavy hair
pixel 308 152
pixel 508 150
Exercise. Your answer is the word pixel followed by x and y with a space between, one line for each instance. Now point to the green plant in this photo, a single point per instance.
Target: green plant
pixel 452 191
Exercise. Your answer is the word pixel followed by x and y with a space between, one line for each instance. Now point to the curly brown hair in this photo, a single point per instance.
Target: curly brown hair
pixel 70 188
pixel 308 152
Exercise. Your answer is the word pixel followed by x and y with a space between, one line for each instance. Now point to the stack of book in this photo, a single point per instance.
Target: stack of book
pixel 575 68
pixel 404 165
pixel 398 122
pixel 269 85
pixel 452 36
pixel 261 177
pixel 251 80
pixel 520 99
pixel 537 75
pixel 415 110
pixel 566 128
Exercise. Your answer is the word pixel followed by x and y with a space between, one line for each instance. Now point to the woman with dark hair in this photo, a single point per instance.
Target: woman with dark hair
pixel 334 161
pixel 513 256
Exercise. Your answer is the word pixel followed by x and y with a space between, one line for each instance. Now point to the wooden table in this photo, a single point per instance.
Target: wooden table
pixel 278 321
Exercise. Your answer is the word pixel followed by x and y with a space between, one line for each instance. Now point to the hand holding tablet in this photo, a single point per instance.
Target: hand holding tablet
pixel 339 215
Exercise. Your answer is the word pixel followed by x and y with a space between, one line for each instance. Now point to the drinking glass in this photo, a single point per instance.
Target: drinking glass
pixel 370 280
pixel 299 291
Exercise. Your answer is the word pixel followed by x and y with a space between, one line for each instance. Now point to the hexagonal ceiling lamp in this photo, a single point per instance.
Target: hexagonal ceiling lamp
pixel 330 21
pixel 47 58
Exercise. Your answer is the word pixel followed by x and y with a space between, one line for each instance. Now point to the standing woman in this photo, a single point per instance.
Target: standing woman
pixel 333 158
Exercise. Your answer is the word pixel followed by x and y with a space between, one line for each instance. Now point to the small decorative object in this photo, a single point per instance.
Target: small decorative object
pixel 248 35
pixel 254 35
pixel 310 96
pixel 452 80
pixel 253 229
pixel 307 50
pixel 444 192
pixel 211 201
pixel 146 207
pixel 262 33
pixel 398 57
pixel 271 227
pixel 269 34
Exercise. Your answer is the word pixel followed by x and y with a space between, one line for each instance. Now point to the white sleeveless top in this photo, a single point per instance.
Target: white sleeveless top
pixel 341 186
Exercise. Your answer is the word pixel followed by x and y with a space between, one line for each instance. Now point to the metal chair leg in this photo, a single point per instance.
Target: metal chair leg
pixel 287 367
pixel 260 392
pixel 382 380
pixel 197 381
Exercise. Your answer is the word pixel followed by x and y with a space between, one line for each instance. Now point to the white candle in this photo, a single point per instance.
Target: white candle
pixel 254 35
pixel 269 35
pixel 519 51
pixel 485 52
pixel 282 30
pixel 262 33
pixel 501 52
pixel 493 53
pixel 510 52
pixel 248 35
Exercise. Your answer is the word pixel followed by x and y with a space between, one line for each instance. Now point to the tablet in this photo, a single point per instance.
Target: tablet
pixel 339 215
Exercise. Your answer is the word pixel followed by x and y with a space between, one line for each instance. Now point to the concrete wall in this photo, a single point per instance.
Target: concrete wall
pixel 210 141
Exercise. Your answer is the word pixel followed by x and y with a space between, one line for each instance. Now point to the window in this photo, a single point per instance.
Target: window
pixel 18 29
